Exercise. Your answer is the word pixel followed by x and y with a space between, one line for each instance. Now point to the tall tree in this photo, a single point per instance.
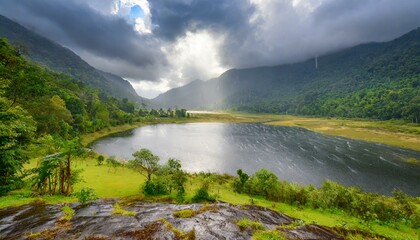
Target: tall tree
pixel 146 162
pixel 16 132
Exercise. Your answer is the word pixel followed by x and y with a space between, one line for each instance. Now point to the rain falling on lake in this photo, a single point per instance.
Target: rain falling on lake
pixel 294 154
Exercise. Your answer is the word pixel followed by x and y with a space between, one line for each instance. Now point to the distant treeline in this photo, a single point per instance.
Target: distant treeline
pixel 378 100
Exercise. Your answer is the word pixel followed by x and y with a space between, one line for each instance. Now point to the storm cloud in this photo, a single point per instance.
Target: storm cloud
pixel 184 40
pixel 105 38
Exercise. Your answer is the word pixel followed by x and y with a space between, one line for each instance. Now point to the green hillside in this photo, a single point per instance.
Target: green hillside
pixel 59 104
pixel 56 57
pixel 374 80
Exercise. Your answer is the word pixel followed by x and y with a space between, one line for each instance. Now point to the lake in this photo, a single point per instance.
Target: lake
pixel 294 154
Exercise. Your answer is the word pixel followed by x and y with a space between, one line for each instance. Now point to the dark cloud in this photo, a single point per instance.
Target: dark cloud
pixel 172 18
pixel 83 28
pixel 276 31
pixel 254 33
pixel 285 33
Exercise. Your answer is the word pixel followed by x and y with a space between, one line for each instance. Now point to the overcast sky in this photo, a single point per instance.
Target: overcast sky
pixel 161 44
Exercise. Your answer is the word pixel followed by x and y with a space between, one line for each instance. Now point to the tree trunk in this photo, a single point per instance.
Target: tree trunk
pixel 62 178
pixel 68 168
pixel 55 181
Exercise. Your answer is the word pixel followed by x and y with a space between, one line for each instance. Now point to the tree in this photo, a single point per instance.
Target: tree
pixel 55 170
pixel 16 132
pixel 145 161
pixel 263 182
pixel 177 177
pixel 52 115
pixel 239 184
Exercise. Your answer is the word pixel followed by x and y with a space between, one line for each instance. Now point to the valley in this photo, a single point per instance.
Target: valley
pixel 254 129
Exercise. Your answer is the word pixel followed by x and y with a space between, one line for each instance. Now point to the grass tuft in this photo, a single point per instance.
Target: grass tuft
pixel 179 234
pixel 68 213
pixel 269 235
pixel 185 213
pixel 245 223
pixel 118 210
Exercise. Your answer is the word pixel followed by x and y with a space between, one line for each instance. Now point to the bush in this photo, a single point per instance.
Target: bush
pixel 239 183
pixel 263 183
pixel 202 195
pixel 155 187
pixel 331 195
pixel 100 160
pixel 85 195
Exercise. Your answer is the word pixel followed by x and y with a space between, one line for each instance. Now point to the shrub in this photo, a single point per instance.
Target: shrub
pixel 85 195
pixel 202 195
pixel 155 187
pixel 263 183
pixel 100 160
pixel 239 183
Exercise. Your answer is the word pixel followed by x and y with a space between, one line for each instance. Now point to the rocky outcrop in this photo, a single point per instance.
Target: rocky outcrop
pixel 146 221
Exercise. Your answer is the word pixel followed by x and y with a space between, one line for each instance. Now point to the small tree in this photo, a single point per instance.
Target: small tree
pixel 146 162
pixel 100 160
pixel 239 184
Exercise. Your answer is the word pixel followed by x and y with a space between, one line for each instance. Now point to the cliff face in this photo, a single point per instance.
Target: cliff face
pixel 146 221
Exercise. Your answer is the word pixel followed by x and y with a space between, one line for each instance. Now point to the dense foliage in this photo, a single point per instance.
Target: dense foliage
pixel 58 108
pixel 16 131
pixel 331 195
pixel 56 57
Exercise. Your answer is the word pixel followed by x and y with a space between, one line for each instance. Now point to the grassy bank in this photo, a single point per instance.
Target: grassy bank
pixel 394 133
pixel 123 182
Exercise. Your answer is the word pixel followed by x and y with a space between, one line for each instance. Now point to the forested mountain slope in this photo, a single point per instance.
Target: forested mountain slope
pixel 56 57
pixel 373 80
pixel 59 104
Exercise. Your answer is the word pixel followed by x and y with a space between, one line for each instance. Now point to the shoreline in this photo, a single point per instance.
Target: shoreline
pixel 391 133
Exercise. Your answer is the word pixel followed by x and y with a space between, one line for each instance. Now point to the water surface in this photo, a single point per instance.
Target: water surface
pixel 294 154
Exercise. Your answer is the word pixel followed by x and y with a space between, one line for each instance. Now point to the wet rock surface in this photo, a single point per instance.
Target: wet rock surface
pixel 148 221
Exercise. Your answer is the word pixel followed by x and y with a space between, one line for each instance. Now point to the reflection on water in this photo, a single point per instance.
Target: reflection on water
pixel 294 154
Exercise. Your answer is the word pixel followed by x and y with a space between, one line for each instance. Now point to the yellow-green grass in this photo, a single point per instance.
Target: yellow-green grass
pixel 125 182
pixel 109 182
pixel 121 211
pixel 394 133
pixel 245 223
pixel 269 235
pixel 326 218
pixel 106 181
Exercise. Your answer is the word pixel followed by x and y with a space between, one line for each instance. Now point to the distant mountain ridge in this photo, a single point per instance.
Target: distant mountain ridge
pixel 59 58
pixel 354 82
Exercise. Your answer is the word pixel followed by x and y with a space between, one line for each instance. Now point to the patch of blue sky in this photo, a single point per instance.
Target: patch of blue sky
pixel 136 12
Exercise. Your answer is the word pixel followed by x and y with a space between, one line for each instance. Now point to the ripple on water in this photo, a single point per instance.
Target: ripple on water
pixel 220 147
